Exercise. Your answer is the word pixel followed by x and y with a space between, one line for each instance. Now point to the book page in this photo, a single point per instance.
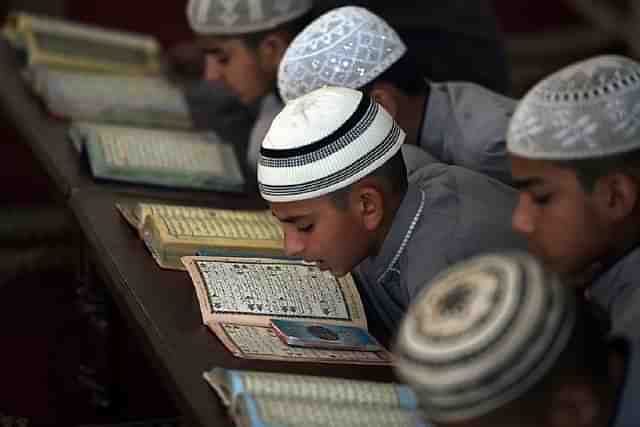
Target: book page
pixel 156 149
pixel 254 290
pixel 111 98
pixel 268 411
pixel 225 226
pixel 57 42
pixel 24 22
pixel 231 383
pixel 261 342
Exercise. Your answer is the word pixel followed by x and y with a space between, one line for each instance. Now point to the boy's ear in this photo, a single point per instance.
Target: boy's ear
pixel 618 195
pixel 386 95
pixel 370 206
pixel 271 50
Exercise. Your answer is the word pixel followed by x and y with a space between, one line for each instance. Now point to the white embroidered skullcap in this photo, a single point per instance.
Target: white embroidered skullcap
pixel 324 141
pixel 348 46
pixel 482 333
pixel 231 17
pixel 589 109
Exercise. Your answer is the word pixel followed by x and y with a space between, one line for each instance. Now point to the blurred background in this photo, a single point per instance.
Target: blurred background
pixel 506 45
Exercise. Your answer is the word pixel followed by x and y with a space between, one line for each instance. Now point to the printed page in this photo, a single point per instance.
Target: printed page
pixel 23 22
pixel 261 342
pixel 223 225
pixel 175 159
pixel 231 383
pixel 251 291
pixel 65 43
pixel 143 100
pixel 268 411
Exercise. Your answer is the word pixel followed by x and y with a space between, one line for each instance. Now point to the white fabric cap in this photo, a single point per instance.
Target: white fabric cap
pixel 482 333
pixel 589 109
pixel 324 141
pixel 348 46
pixel 231 17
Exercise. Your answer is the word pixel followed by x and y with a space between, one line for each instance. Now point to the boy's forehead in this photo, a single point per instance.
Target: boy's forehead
pixel 531 172
pixel 218 42
pixel 300 208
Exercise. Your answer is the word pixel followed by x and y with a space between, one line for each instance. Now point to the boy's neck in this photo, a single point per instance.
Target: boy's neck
pixel 392 205
pixel 411 114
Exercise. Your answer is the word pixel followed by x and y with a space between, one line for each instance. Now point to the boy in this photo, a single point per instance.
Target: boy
pixel 459 123
pixel 499 341
pixel 331 168
pixel 243 42
pixel 574 144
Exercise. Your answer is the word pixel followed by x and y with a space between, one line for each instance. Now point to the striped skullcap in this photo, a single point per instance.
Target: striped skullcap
pixel 348 46
pixel 482 333
pixel 233 17
pixel 324 141
pixel 589 109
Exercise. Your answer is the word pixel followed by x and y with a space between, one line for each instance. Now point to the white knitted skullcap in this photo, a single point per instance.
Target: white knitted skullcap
pixel 589 109
pixel 348 46
pixel 324 141
pixel 229 17
pixel 483 333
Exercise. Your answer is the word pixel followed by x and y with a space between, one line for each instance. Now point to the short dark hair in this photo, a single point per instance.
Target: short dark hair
pixel 405 74
pixel 290 28
pixel 589 171
pixel 393 173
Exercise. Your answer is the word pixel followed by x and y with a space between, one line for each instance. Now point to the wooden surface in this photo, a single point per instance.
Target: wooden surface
pixel 162 308
pixel 159 306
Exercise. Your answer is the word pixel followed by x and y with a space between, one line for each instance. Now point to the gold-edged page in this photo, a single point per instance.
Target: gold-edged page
pixel 221 230
pixel 239 296
pixel 261 343
pixel 65 43
pixel 252 291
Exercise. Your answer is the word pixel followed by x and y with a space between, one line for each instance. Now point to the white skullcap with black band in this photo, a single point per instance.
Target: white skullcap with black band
pixel 482 334
pixel 234 17
pixel 325 141
pixel 586 110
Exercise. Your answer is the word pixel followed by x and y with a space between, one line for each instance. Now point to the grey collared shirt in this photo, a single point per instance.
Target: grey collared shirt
pixel 448 214
pixel 617 291
pixel 627 410
pixel 466 125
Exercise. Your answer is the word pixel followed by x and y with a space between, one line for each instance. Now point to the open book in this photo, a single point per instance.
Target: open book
pixel 171 231
pixel 62 43
pixel 176 159
pixel 270 399
pixel 150 101
pixel 239 296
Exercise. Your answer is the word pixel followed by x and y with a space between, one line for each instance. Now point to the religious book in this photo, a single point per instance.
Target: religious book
pixel 239 296
pixel 147 101
pixel 273 399
pixel 172 231
pixel 61 43
pixel 167 158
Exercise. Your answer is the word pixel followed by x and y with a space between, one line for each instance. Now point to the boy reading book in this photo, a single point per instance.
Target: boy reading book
pixel 331 168
pixel 574 144
pixel 459 123
pixel 243 42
